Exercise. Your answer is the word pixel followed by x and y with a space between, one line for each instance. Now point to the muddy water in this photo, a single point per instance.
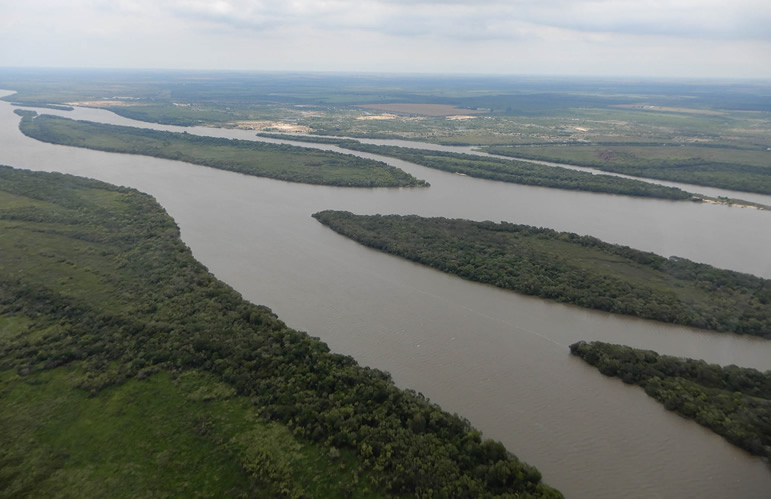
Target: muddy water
pixel 499 359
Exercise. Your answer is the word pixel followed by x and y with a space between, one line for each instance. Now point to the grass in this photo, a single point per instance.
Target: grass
pixel 166 435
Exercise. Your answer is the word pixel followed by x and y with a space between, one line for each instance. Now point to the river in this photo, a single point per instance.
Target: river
pixel 499 359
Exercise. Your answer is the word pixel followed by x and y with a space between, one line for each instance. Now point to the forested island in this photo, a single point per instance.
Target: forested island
pixel 734 402
pixel 520 172
pixel 282 162
pixel 569 268
pixel 127 369
pixel 640 160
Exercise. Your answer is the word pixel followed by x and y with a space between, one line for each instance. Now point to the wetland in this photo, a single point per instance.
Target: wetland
pixel 500 359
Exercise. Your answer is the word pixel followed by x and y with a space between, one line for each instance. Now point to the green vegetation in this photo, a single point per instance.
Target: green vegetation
pixel 179 434
pixel 569 268
pixel 282 162
pixel 126 369
pixel 742 169
pixel 734 402
pixel 311 139
pixel 43 105
pixel 705 133
pixel 170 114
pixel 520 172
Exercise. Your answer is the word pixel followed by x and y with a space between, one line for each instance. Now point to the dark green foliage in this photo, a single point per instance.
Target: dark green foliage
pixel 740 177
pixel 24 113
pixel 282 162
pixel 95 276
pixel 734 402
pixel 569 268
pixel 520 172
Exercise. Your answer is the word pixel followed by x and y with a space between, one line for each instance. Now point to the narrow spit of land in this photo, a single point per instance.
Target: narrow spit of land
pixel 506 170
pixel 127 369
pixel 569 268
pixel 722 166
pixel 282 162
pixel 732 401
pixel 521 172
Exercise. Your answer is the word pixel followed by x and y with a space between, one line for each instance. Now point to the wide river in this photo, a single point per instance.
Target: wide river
pixel 499 359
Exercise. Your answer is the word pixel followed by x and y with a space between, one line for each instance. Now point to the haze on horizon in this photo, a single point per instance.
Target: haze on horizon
pixel 642 38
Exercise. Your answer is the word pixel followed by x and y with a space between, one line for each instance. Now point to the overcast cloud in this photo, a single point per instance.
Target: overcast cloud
pixel 585 37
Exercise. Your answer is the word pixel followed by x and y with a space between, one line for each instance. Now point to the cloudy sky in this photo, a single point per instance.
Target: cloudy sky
pixel 676 38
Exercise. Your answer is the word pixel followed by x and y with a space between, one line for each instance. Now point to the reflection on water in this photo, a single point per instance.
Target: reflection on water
pixel 499 359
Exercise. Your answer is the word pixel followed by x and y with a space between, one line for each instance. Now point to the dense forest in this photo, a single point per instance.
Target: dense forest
pixel 570 268
pixel 126 368
pixel 282 162
pixel 732 401
pixel 521 172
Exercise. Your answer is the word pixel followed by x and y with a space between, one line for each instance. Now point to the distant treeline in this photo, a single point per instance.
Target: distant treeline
pixel 521 172
pixel 734 402
pixel 740 177
pixel 96 276
pixel 44 105
pixel 569 268
pixel 313 139
pixel 282 162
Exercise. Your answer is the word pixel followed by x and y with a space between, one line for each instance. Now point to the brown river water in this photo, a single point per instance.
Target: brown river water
pixel 499 359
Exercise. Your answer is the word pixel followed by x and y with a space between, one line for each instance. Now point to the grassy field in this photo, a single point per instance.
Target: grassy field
pixel 185 434
pixel 568 268
pixel 294 164
pixel 128 370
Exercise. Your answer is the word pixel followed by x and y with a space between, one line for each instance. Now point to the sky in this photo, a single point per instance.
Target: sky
pixel 633 38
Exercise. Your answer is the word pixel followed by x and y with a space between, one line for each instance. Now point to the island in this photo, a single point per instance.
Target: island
pixel 126 368
pixel 281 162
pixel 507 170
pixel 570 268
pixel 742 167
pixel 734 402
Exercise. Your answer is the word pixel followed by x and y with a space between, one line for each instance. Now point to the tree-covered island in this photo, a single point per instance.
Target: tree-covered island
pixel 504 170
pixel 570 268
pixel 282 162
pixel 734 402
pixel 128 370
pixel 520 172
pixel 718 165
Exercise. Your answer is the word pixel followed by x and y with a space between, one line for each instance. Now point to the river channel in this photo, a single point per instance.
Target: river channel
pixel 499 359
